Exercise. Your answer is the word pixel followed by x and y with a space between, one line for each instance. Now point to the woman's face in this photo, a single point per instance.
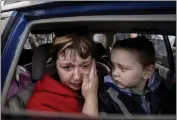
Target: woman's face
pixel 71 68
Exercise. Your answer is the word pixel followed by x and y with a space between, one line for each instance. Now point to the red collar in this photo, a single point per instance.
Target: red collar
pixel 49 84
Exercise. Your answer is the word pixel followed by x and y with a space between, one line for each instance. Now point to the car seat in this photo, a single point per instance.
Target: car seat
pixel 19 100
pixel 21 80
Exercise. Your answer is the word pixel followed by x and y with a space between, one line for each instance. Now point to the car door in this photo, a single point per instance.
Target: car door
pixel 24 15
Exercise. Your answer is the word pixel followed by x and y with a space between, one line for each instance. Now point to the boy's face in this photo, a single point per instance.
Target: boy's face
pixel 127 72
pixel 71 69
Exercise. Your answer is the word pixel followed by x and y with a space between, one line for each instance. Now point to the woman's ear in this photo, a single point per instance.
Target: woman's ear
pixel 148 71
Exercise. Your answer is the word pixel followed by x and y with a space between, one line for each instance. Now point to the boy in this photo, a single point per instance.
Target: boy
pixel 134 87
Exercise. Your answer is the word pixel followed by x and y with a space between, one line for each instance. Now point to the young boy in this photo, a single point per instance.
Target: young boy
pixel 134 87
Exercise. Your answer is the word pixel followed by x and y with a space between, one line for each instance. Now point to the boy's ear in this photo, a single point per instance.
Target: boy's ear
pixel 148 71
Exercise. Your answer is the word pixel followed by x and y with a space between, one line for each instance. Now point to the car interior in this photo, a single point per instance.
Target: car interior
pixel 38 61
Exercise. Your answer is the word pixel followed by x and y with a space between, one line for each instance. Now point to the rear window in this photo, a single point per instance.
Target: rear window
pixel 101 38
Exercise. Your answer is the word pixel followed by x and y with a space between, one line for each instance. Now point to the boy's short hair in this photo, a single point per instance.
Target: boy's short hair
pixel 142 46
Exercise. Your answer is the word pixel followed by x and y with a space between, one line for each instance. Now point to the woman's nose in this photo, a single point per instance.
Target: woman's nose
pixel 76 74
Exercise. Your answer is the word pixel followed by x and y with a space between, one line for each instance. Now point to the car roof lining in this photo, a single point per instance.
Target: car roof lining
pixel 151 27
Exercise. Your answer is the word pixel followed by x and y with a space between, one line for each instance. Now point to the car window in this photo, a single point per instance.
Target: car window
pixel 172 40
pixel 161 52
pixel 35 40
pixel 3 23
pixel 32 42
pixel 122 36
pixel 98 37
pixel 4 19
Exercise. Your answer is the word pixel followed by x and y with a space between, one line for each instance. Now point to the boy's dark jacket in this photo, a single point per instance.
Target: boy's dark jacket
pixel 113 100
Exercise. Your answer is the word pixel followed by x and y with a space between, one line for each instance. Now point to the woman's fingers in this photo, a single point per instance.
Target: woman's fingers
pixel 86 78
pixel 91 70
pixel 90 82
pixel 91 76
pixel 95 70
pixel 93 79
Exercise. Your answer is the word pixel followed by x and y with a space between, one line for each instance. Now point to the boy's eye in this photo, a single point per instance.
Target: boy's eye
pixel 123 69
pixel 112 66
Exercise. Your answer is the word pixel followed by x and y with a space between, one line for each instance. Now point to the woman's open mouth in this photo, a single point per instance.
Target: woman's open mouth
pixel 76 85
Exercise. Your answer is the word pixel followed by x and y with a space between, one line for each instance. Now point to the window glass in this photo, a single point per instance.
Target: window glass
pixel 100 38
pixel 160 48
pixel 3 23
pixel 172 40
pixel 161 54
pixel 122 36
pixel 34 40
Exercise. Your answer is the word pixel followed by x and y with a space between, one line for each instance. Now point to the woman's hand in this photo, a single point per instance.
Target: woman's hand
pixel 90 83
pixel 89 92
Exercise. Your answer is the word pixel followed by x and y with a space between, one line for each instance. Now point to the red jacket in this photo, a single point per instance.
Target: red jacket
pixel 51 95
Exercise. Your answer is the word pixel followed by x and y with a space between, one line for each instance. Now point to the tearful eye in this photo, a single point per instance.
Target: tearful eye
pixel 85 66
pixel 67 68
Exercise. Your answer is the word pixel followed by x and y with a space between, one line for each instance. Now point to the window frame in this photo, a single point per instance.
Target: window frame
pixel 8 28
pixel 172 69
pixel 20 43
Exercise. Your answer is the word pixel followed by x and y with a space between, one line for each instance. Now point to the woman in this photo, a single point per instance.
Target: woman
pixel 74 88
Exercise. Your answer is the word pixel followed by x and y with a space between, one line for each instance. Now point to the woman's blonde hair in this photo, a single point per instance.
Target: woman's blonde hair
pixel 82 44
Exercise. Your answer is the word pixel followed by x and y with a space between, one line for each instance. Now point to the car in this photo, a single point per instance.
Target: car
pixel 30 26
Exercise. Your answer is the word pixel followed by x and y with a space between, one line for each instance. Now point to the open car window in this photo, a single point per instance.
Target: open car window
pixel 35 40
pixel 44 20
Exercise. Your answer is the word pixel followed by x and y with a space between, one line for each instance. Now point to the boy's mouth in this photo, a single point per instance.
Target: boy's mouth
pixel 119 83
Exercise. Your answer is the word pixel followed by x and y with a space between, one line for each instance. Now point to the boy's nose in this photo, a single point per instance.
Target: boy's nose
pixel 116 73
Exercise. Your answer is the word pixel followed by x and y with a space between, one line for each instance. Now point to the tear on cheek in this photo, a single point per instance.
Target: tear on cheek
pixel 83 71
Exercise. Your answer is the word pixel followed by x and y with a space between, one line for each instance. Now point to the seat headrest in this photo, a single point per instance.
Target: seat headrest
pixel 103 68
pixel 40 57
pixel 100 50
